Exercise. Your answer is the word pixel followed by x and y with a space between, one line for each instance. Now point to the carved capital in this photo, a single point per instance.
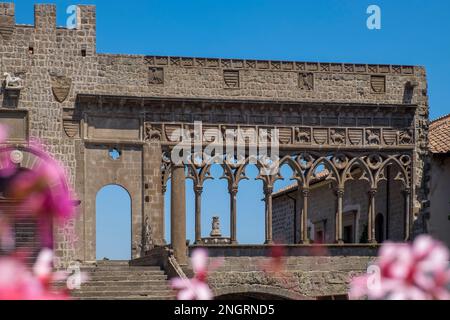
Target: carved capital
pixel 305 192
pixel 339 192
pixel 198 189
pixel 268 190
pixel 372 192
pixel 233 190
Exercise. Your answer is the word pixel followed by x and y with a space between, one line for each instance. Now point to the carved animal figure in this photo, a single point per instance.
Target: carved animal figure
pixel 11 81
pixel 336 137
pixel 301 135
pixel 152 134
pixel 372 137
pixel 405 137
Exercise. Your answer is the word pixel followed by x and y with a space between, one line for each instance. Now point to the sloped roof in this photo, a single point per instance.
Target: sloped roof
pixel 439 135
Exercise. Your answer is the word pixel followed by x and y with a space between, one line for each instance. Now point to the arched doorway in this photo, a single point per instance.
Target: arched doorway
pixel 113 223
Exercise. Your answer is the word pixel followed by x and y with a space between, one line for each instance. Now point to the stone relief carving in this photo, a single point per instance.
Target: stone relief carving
pixel 373 137
pixel 60 87
pixel 231 78
pixel 302 135
pixel 306 81
pixel 405 137
pixel 12 82
pixel 155 75
pixel 337 136
pixel 147 236
pixel 152 133
pixel 378 84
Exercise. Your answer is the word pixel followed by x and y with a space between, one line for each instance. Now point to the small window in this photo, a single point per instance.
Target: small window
pixel 114 154
pixel 30 50
pixel 83 52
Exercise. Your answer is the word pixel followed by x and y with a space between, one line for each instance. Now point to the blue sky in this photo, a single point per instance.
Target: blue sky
pixel 414 32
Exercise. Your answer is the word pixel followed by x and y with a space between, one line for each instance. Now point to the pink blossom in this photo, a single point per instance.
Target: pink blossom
pixel 197 287
pixel 18 283
pixel 407 272
pixel 7 239
pixel 192 289
pixel 43 190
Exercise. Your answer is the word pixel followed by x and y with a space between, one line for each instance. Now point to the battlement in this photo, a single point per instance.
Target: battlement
pixel 45 18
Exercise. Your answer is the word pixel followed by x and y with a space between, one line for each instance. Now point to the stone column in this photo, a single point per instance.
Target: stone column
pixel 371 217
pixel 198 214
pixel 268 199
pixel 338 219
pixel 178 214
pixel 304 222
pixel 233 195
pixel 408 215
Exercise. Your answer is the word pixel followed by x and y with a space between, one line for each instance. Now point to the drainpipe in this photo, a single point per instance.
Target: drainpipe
pixel 295 216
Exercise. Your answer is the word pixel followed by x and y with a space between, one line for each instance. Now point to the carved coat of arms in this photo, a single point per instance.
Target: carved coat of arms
pixel 61 87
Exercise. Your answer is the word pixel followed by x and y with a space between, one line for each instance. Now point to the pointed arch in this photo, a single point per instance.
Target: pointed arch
pixel 360 163
pixel 402 176
pixel 328 165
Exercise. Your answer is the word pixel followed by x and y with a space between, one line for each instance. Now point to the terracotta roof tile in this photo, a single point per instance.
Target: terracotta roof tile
pixel 439 135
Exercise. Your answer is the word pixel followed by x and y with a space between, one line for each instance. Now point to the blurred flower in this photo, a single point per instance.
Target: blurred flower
pixel 407 272
pixel 277 260
pixel 196 288
pixel 7 241
pixel 43 190
pixel 191 289
pixel 18 283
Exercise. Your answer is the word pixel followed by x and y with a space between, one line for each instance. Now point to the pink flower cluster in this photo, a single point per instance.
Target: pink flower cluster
pixel 407 272
pixel 17 282
pixel 196 288
pixel 42 195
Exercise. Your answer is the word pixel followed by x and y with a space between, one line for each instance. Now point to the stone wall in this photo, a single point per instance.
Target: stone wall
pixel 55 61
pixel 440 198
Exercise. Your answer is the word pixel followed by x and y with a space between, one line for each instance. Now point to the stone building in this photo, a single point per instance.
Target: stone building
pixel 440 179
pixel 111 119
pixel 389 217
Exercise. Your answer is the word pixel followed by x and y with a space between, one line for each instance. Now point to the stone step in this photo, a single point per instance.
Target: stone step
pixel 168 297
pixel 129 289
pixel 118 268
pixel 125 283
pixel 141 273
pixel 139 293
pixel 125 277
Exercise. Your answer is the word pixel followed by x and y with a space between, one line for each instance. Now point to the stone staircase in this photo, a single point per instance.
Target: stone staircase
pixel 116 280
